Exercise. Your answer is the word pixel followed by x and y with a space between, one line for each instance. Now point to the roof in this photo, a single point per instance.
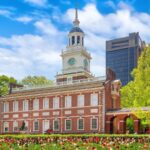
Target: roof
pixel 127 110
pixel 76 29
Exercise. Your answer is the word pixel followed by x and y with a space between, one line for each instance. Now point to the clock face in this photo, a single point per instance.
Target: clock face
pixel 71 61
pixel 85 63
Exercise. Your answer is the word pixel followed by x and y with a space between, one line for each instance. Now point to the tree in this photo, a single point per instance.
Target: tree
pixel 4 84
pixel 36 81
pixel 137 92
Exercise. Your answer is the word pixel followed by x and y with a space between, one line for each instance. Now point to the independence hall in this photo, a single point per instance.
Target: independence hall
pixel 77 102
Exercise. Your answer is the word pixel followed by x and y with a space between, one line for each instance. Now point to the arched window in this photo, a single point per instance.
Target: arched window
pixel 82 41
pixel 78 39
pixel 73 40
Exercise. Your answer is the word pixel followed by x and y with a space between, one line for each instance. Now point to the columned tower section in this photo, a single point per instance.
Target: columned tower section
pixel 75 58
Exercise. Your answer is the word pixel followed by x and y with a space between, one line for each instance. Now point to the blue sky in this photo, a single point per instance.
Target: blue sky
pixel 34 32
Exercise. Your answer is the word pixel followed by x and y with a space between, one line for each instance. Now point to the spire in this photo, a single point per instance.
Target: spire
pixel 76 22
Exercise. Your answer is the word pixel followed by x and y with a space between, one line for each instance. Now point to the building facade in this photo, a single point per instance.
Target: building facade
pixel 77 103
pixel 122 55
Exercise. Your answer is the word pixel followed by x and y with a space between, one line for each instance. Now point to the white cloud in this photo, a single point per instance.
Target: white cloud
pixel 5 13
pixel 40 54
pixel 99 27
pixel 24 19
pixel 37 2
pixel 32 54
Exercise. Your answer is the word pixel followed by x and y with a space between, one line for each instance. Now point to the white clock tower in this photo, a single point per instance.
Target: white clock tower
pixel 75 59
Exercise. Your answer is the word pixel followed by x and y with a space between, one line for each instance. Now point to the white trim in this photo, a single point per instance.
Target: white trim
pixel 43 125
pixel 6 107
pixel 56 99
pixel 68 101
pixel 45 100
pixel 34 102
pixel 78 124
pixel 56 109
pixel 58 124
pixel 23 103
pixel 15 126
pixel 70 125
pixel 34 126
pixel 4 126
pixel 82 98
pixel 103 111
pixel 86 90
pixel 91 123
pixel 15 106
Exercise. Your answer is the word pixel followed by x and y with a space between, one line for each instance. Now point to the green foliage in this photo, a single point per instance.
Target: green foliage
pixel 137 92
pixel 74 142
pixel 36 80
pixel 130 125
pixel 4 84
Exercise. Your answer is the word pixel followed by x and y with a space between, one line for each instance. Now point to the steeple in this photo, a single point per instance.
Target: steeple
pixel 76 22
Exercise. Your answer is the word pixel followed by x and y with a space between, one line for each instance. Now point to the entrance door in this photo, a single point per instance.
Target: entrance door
pixel 45 125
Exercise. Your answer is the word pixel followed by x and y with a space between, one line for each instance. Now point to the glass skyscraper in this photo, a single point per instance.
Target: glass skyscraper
pixel 122 55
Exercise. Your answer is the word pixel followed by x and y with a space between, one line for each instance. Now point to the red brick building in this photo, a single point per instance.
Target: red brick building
pixel 77 103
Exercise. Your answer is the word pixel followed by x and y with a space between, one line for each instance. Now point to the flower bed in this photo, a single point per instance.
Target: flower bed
pixel 74 142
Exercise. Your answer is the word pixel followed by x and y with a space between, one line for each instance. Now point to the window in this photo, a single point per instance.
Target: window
pixel 78 39
pixel 80 100
pixel 80 124
pixel 15 106
pixel 15 126
pixel 73 40
pixel 56 125
pixel 36 125
pixel 6 126
pixel 94 124
pixel 56 102
pixel 45 103
pixel 68 124
pixel 36 104
pixel 94 99
pixel 68 101
pixel 45 125
pixel 6 107
pixel 26 124
pixel 25 105
pixel 69 80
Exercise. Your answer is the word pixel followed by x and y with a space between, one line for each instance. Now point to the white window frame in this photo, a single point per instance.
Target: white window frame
pixel 5 124
pixel 34 125
pixel 34 104
pixel 26 124
pixel 96 124
pixel 54 124
pixel 68 101
pixel 15 124
pixel 81 101
pixel 94 99
pixel 56 102
pixel 6 107
pixel 70 125
pixel 46 103
pixel 78 123
pixel 69 80
pixel 15 106
pixel 46 121
pixel 25 105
